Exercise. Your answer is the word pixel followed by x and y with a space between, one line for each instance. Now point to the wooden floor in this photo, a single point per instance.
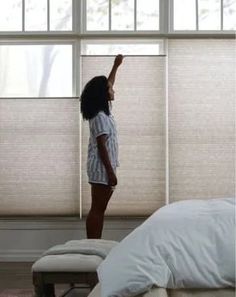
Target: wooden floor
pixel 17 275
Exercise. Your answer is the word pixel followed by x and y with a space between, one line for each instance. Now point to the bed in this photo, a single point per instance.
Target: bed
pixel 184 249
pixel 161 292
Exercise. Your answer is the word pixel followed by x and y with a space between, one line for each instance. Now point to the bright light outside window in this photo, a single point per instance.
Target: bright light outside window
pixel 127 48
pixel 10 15
pixel 148 15
pixel 36 70
pixel 97 15
pixel 61 15
pixel 35 15
pixel 184 14
pixel 209 14
pixel 122 17
pixel 229 18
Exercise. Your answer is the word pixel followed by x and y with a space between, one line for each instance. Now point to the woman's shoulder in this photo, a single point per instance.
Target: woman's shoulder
pixel 101 114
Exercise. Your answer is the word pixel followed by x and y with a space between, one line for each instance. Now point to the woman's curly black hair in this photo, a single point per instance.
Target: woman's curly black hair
pixel 94 97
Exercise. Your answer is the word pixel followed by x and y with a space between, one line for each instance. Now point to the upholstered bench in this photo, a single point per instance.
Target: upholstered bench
pixel 74 262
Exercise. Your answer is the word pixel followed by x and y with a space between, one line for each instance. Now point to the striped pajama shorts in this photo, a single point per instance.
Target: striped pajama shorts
pixel 98 176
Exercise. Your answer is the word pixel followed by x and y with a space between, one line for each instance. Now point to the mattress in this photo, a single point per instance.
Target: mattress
pixel 229 292
pixel 160 292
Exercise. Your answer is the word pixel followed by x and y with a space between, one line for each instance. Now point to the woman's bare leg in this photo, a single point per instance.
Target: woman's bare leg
pixel 101 194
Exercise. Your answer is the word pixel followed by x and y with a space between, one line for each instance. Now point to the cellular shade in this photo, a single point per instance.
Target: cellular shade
pixel 39 157
pixel 139 110
pixel 202 94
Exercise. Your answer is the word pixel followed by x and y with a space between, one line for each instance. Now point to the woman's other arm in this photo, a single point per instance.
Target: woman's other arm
pixel 103 153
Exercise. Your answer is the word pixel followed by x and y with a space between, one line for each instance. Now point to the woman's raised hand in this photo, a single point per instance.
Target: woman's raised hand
pixel 118 60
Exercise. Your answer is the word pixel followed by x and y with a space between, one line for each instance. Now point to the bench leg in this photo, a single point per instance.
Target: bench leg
pixel 41 289
pixel 92 281
pixel 49 290
pixel 46 290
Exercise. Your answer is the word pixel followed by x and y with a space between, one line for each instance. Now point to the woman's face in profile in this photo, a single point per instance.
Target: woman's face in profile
pixel 111 92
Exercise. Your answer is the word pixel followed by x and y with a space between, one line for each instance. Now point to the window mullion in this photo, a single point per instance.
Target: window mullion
pixel 135 15
pixel 221 15
pixel 197 15
pixel 23 15
pixel 109 15
pixel 166 16
pixel 48 15
pixel 81 14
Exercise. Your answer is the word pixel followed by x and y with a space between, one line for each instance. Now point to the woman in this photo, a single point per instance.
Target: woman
pixel 103 147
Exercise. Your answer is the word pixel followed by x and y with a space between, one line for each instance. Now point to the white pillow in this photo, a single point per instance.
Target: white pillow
pixel 187 244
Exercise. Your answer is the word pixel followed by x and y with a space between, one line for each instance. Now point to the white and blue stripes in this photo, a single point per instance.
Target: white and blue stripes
pixel 101 124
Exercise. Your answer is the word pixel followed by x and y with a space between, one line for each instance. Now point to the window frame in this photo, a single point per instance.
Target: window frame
pixel 119 32
pixel 166 27
pixel 198 32
pixel 79 33
pixel 22 32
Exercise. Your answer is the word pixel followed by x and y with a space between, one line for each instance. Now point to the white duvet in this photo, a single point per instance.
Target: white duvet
pixel 187 244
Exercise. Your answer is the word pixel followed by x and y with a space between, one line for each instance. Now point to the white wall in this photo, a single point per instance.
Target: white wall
pixel 25 240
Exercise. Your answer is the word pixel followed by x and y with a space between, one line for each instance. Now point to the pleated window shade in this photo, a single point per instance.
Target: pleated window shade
pixel 39 149
pixel 40 138
pixel 139 110
pixel 202 92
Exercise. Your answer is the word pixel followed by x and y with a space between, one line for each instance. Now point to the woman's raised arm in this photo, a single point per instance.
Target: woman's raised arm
pixel 117 62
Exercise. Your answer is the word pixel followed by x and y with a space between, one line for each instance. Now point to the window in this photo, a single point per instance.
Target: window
pixel 202 94
pixel 60 15
pixel 11 15
pixel 128 48
pixel 36 70
pixel 122 15
pixel 49 49
pixel 229 15
pixel 39 164
pixel 139 109
pixel 34 15
pixel 39 118
pixel 184 15
pixel 209 15
pixel 204 15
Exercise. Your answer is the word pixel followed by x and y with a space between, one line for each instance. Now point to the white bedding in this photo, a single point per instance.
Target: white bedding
pixel 230 292
pixel 161 292
pixel 154 292
pixel 187 244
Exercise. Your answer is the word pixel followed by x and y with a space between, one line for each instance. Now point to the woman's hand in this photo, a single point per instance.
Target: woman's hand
pixel 118 60
pixel 112 179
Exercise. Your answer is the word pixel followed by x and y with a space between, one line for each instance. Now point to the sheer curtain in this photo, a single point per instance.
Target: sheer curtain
pixel 139 110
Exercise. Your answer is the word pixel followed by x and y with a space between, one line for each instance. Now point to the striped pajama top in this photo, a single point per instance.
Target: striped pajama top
pixel 99 125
